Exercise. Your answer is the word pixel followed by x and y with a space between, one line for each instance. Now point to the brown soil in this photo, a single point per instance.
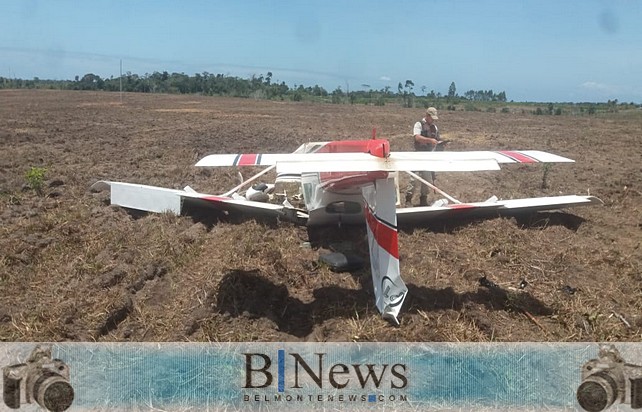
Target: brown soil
pixel 72 267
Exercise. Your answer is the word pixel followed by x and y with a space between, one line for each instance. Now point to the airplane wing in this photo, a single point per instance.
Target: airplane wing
pixel 295 163
pixel 492 207
pixel 500 156
pixel 159 200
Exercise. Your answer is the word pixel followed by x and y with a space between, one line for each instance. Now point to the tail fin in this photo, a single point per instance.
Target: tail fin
pixel 381 216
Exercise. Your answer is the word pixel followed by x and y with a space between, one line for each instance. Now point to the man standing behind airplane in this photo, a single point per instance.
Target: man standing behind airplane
pixel 427 139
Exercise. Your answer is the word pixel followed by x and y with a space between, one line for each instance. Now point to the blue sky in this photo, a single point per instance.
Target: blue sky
pixel 534 50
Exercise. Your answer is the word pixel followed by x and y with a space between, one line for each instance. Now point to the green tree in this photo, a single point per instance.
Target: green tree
pixel 408 95
pixel 337 95
pixel 452 90
pixel 91 81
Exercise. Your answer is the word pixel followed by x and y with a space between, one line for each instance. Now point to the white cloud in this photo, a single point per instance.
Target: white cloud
pixel 601 87
pixel 595 91
pixel 385 78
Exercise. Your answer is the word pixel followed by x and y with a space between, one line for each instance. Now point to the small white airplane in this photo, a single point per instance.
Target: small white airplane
pixel 349 182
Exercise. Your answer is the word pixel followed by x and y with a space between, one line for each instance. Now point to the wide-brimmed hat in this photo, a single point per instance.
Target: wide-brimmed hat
pixel 432 112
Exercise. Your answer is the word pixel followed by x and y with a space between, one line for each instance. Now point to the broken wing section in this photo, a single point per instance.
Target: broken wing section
pixel 390 290
pixel 159 200
pixel 491 207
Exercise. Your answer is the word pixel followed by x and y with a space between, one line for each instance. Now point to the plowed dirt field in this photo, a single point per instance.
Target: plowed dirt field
pixel 72 267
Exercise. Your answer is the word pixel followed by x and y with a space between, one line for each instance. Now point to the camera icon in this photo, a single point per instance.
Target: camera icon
pixel 609 379
pixel 41 379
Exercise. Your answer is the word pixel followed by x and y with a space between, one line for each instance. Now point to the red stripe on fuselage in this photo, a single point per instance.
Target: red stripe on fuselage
pixel 519 157
pixel 247 160
pixel 385 236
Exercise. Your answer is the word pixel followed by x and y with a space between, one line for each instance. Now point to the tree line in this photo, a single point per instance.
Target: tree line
pixel 263 87
pixel 260 87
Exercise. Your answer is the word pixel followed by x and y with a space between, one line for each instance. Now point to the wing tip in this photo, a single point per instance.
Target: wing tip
pixel 594 200
pixel 100 185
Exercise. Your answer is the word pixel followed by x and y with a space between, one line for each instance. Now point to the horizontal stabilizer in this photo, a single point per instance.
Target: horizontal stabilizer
pixel 418 215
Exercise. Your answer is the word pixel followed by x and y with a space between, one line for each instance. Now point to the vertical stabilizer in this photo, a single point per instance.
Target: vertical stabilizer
pixel 381 216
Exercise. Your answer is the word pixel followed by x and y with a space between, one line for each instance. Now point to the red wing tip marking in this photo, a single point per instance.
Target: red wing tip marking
pixel 461 206
pixel 247 159
pixel 518 157
pixel 217 198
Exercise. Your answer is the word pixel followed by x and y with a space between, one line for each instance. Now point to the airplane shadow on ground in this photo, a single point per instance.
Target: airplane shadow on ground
pixel 529 220
pixel 319 235
pixel 542 220
pixel 209 217
pixel 249 294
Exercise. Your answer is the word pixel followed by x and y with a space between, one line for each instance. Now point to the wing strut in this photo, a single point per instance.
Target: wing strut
pixel 435 188
pixel 381 218
pixel 250 180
